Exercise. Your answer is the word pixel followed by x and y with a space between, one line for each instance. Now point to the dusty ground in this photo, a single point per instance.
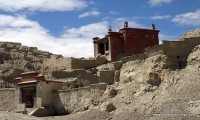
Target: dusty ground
pixel 97 115
pixel 16 116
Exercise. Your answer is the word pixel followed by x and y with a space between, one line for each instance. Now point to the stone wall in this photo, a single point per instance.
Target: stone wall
pixel 180 48
pixel 178 51
pixel 82 63
pixel 7 99
pixel 78 99
pixel 154 50
pixel 76 73
pixel 87 63
pixel 134 57
pixel 58 64
pixel 45 93
pixel 107 76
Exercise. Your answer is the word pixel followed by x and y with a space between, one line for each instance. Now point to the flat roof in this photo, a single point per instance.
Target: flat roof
pixel 140 29
pixel 18 78
pixel 31 72
pixel 27 82
pixel 58 81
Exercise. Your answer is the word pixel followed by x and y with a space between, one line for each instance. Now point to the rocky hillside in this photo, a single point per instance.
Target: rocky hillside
pixel 152 88
pixel 16 58
pixel 192 33
pixel 148 89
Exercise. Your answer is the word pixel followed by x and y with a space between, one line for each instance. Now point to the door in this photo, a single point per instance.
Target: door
pixel 28 95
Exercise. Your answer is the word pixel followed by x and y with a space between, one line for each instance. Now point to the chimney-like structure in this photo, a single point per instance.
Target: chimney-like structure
pixel 125 24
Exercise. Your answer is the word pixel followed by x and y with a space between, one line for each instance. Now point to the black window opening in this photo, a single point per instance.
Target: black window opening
pixel 107 46
pixel 101 48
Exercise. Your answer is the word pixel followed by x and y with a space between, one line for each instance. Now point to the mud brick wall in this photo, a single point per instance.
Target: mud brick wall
pixel 154 50
pixel 78 99
pixel 7 99
pixel 135 57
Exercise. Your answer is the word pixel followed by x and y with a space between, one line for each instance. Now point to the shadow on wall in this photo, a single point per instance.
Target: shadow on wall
pixel 178 51
pixel 59 107
pixel 77 99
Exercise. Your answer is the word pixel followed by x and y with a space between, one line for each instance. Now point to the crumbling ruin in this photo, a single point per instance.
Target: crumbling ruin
pixel 159 80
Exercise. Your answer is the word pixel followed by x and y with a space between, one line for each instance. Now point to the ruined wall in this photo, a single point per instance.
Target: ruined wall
pixel 87 63
pixel 7 99
pixel 107 76
pixel 82 63
pixel 55 64
pixel 46 93
pixel 178 51
pixel 77 73
pixel 134 57
pixel 78 99
pixel 154 50
pixel 180 48
pixel 59 64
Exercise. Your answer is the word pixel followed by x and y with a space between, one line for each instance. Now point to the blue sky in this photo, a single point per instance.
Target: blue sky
pixel 67 26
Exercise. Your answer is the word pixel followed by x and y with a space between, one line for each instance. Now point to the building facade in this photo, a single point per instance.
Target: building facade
pixel 34 91
pixel 126 42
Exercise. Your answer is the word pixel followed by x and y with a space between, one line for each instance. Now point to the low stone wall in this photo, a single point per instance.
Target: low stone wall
pixel 180 48
pixel 154 50
pixel 7 99
pixel 82 63
pixel 107 76
pixel 78 99
pixel 57 64
pixel 87 63
pixel 134 57
pixel 77 73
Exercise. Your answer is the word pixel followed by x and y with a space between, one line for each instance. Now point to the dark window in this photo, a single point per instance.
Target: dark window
pixel 28 95
pixel 107 46
pixel 101 48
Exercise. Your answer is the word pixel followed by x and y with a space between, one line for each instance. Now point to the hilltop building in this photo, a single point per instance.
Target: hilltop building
pixel 126 42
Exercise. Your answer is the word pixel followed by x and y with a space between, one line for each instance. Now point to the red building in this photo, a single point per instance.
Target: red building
pixel 126 42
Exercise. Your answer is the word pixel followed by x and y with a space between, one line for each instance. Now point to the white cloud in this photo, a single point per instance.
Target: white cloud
pixel 159 17
pixel 75 42
pixel 42 5
pixel 154 3
pixel 114 13
pixel 189 18
pixel 90 13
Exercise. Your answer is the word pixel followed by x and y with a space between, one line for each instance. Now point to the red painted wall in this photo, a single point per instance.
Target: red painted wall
pixel 116 42
pixel 128 41
pixel 133 41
